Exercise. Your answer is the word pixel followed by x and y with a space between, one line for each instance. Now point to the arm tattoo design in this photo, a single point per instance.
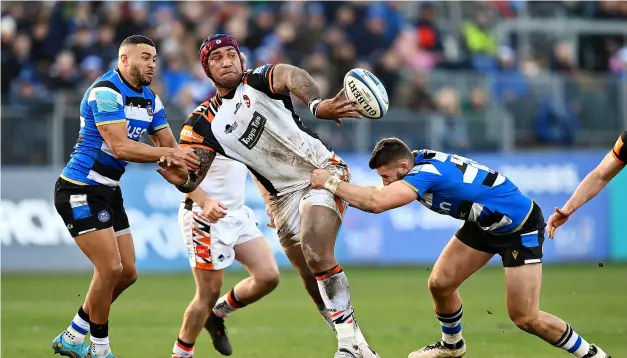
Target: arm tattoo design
pixel 290 79
pixel 206 159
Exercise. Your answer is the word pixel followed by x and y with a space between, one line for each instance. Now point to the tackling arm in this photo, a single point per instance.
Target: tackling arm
pixel 126 149
pixel 164 138
pixel 593 183
pixel 376 200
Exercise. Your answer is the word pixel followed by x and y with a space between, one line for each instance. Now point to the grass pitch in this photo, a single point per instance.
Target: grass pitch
pixel 392 305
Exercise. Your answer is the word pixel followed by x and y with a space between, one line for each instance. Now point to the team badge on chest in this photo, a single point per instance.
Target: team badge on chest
pixel 247 101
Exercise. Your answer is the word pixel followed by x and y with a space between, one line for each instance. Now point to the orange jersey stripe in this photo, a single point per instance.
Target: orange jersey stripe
pixel 270 79
pixel 617 158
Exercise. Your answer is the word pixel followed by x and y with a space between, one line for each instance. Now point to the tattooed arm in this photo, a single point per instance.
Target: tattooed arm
pixel 175 172
pixel 287 79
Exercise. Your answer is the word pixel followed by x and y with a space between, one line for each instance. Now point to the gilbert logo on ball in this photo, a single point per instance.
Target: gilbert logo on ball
pixel 365 88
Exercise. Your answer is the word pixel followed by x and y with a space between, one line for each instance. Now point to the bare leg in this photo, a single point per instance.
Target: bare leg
pixel 523 305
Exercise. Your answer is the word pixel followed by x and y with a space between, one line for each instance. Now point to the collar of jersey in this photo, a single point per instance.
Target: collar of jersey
pixel 229 95
pixel 117 70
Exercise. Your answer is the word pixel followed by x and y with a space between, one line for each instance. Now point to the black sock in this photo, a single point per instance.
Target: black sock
pixel 82 314
pixel 99 330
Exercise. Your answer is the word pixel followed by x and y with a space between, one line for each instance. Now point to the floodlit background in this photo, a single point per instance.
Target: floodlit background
pixel 535 90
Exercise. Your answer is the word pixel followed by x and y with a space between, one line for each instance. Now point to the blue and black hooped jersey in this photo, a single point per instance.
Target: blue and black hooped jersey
pixel 111 100
pixel 464 189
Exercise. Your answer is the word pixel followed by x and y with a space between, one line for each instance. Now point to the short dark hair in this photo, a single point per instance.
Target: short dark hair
pixel 136 40
pixel 388 150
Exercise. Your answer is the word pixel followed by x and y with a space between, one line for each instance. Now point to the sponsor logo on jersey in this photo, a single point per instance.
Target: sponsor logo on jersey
pixel 253 132
pixel 188 134
pixel 229 128
pixel 135 132
pixel 237 106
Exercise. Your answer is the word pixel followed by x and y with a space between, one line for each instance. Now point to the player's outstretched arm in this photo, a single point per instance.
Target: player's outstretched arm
pixel 365 198
pixel 590 187
pixel 116 137
pixel 291 79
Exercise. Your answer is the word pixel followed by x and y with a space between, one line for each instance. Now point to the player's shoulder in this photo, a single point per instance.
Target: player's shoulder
pixel 204 113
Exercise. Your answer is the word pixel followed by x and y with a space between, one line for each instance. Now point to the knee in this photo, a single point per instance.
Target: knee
pixel 316 259
pixel 110 272
pixel 129 275
pixel 207 292
pixel 441 284
pixel 525 321
pixel 269 280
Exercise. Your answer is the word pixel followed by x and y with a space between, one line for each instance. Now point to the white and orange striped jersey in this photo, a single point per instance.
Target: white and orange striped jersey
pixel 259 128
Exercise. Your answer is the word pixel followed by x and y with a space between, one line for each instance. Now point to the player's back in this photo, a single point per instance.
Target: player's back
pixel 110 99
pixel 464 189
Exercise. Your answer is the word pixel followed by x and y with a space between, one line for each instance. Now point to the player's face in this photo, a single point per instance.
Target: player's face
pixel 225 66
pixel 142 62
pixel 393 172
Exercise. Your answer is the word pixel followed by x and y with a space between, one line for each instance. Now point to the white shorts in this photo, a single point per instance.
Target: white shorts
pixel 210 246
pixel 287 208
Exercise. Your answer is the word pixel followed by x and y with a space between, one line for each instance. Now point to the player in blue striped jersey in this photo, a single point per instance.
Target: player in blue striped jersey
pixel 115 112
pixel 498 219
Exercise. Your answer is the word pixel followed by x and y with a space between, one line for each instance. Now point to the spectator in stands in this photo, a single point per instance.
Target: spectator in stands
pixel 563 59
pixel 509 83
pixel 63 74
pixel 428 34
pixel 447 128
pixel 479 40
pixel 415 93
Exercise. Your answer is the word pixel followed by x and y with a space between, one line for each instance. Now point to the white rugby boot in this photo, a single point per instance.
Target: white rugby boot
pixel 352 344
pixel 441 350
pixel 596 352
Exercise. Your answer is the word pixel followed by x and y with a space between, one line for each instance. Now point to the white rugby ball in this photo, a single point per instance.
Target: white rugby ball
pixel 364 87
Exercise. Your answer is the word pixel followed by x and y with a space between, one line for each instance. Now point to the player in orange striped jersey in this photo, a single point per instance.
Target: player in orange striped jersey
pixel 592 184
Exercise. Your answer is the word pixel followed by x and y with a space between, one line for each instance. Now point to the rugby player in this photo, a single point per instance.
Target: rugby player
pixel 592 184
pixel 252 120
pixel 498 219
pixel 115 112
pixel 217 229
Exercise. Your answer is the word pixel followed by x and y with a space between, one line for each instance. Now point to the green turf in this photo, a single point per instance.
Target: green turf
pixel 392 305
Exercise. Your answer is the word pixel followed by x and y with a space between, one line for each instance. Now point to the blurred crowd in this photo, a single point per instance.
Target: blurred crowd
pixel 49 47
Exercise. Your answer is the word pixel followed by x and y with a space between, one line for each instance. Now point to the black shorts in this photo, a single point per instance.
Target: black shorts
pixel 86 208
pixel 516 249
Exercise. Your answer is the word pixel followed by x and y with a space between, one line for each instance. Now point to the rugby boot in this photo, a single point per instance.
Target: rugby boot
pixel 356 351
pixel 441 350
pixel 215 327
pixel 90 354
pixel 66 349
pixel 595 352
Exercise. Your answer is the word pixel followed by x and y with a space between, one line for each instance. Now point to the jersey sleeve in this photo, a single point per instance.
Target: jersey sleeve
pixel 261 79
pixel 107 105
pixel 420 178
pixel 620 150
pixel 159 118
pixel 197 132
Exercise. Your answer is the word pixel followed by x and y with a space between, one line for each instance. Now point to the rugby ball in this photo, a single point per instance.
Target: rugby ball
pixel 364 87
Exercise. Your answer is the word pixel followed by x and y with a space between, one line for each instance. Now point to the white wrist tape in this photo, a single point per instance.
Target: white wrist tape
pixel 332 183
pixel 313 106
